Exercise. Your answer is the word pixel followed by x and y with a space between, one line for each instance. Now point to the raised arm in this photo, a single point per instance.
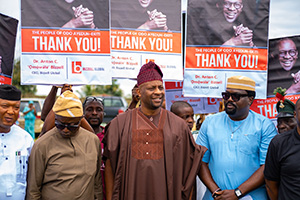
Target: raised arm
pixel 49 102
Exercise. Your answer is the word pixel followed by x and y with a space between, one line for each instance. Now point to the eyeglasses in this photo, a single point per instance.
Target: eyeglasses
pixel 234 96
pixel 237 5
pixel 90 99
pixel 61 126
pixel 291 52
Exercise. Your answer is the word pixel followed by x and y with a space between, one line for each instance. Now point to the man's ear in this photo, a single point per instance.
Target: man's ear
pixel 294 114
pixel 251 99
pixel 138 91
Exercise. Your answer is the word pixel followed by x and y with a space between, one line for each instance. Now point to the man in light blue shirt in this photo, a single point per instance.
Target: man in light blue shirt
pixel 237 141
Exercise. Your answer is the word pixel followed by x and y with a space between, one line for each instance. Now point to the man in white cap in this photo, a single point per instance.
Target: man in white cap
pixel 15 146
pixel 65 163
pixel 237 141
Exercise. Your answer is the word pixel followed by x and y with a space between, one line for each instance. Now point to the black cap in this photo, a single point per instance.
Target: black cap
pixel 10 92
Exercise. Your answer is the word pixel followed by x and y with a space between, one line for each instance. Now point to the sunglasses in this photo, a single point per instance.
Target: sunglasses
pixel 234 96
pixel 90 99
pixel 61 126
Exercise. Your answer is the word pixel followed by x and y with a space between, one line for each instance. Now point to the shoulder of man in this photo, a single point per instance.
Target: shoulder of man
pixel 21 134
pixel 281 138
pixel 87 133
pixel 259 116
pixel 215 116
pixel 265 122
pixel 47 137
pixel 122 117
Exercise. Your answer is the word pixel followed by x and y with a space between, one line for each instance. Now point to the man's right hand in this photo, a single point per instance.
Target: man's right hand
pixel 243 35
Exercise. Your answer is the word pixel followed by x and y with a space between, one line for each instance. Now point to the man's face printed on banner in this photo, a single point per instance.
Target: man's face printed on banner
pixel 69 1
pixel 287 54
pixel 145 3
pixel 231 9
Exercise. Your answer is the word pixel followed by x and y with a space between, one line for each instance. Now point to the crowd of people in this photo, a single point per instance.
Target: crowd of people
pixel 149 152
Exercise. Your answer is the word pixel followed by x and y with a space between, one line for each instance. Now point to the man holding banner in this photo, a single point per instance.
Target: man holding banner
pixel 237 142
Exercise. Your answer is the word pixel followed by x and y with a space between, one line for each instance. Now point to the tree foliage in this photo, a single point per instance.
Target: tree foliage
pixel 27 90
pixel 92 90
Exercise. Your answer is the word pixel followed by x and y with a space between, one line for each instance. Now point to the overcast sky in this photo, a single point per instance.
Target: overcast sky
pixel 284 21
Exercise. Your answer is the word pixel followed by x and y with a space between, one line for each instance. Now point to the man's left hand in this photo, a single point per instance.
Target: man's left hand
pixel 226 195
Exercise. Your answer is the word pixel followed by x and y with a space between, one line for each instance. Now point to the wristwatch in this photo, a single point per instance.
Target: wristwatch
pixel 238 193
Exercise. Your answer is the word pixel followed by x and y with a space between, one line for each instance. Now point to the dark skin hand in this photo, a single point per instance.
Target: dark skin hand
pixel 50 99
pixel 49 102
pixel 135 98
pixel 255 181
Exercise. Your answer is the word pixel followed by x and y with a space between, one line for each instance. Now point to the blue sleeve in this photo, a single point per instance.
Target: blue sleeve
pixel 202 139
pixel 26 109
pixel 268 132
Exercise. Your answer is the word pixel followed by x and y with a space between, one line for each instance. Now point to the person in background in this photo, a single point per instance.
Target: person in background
pixel 286 110
pixel 15 146
pixel 237 141
pixel 65 163
pixel 282 170
pixel 135 98
pixel 29 116
pixel 185 111
pixel 146 148
pixel 93 111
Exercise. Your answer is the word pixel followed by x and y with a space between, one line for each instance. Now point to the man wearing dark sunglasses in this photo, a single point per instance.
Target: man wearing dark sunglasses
pixel 237 142
pixel 65 163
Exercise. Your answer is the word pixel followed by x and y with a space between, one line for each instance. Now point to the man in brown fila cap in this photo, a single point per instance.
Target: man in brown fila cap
pixel 150 153
pixel 65 163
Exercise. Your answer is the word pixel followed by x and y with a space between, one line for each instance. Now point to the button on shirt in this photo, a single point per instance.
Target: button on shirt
pixel 15 147
pixel 234 157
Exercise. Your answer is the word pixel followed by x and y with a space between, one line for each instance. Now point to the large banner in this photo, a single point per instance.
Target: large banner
pixel 267 107
pixel 284 65
pixel 65 41
pixel 225 38
pixel 201 105
pixel 144 30
pixel 8 31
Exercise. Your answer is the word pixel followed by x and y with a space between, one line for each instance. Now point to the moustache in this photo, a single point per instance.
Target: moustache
pixel 231 104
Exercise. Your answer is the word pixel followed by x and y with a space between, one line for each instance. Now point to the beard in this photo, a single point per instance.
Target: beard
pixel 93 122
pixel 230 111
